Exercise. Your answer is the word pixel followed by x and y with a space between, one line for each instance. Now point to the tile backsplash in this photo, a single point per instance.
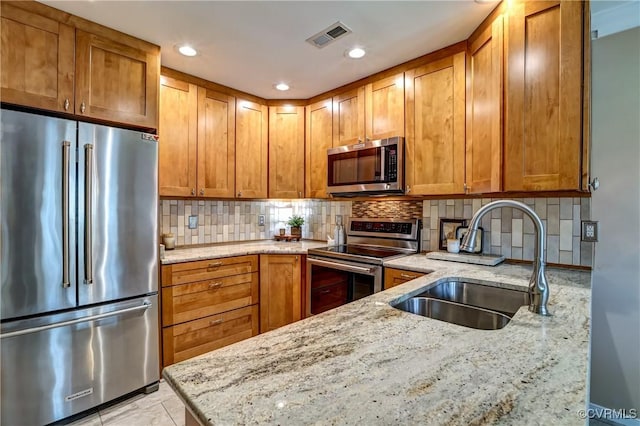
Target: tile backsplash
pixel 506 231
pixel 223 221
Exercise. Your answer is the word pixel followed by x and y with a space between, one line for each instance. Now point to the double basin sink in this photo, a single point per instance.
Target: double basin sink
pixel 467 302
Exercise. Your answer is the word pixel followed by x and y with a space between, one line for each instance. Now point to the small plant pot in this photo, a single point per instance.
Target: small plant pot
pixel 296 231
pixel 282 232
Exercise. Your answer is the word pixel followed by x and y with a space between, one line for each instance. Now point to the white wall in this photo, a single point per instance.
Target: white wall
pixel 615 327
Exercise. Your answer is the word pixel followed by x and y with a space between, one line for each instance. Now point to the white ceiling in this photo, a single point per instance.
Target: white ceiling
pixel 251 45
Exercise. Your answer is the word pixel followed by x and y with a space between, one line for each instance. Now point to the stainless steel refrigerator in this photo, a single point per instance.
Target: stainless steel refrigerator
pixel 78 302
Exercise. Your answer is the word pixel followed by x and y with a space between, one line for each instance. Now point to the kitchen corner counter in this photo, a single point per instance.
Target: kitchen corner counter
pixel 240 248
pixel 369 363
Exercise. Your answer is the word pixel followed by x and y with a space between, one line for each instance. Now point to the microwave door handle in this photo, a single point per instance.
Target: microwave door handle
pixel 383 161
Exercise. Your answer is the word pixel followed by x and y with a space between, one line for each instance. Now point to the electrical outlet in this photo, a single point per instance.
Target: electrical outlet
pixel 260 220
pixel 589 231
pixel 193 222
pixel 338 219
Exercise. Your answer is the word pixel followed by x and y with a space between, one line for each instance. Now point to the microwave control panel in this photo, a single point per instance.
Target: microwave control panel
pixel 392 163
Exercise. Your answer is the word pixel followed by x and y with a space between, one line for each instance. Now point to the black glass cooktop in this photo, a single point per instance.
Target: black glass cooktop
pixel 380 253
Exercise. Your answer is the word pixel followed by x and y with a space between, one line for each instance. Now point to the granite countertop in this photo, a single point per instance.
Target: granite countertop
pixel 242 248
pixel 369 363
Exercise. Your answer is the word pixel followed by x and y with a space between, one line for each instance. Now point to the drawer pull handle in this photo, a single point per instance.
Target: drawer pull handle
pixel 215 264
pixel 216 322
pixel 325 291
pixel 408 276
pixel 213 286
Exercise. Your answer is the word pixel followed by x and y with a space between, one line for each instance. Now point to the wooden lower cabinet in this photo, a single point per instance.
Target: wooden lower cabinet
pixel 394 277
pixel 280 290
pixel 196 337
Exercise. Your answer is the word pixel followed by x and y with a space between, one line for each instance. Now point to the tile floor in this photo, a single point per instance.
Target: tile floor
pixel 160 408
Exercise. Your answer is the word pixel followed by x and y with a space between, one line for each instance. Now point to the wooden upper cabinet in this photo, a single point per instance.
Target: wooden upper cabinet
pixel 484 110
pixel 318 135
pixel 216 144
pixel 280 291
pixel 117 79
pixel 286 152
pixel 251 149
pixel 543 145
pixel 384 108
pixel 37 60
pixel 348 117
pixel 178 138
pixel 435 115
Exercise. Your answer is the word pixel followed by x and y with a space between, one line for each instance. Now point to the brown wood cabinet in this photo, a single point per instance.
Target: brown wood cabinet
pixel 178 130
pixel 384 108
pixel 115 77
pixel 286 152
pixel 115 80
pixel 280 290
pixel 37 60
pixel 394 277
pixel 251 149
pixel 318 138
pixel 348 117
pixel 435 117
pixel 216 144
pixel 484 110
pixel 208 304
pixel 543 102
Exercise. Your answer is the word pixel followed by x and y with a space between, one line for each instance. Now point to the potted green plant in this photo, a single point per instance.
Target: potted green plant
pixel 295 222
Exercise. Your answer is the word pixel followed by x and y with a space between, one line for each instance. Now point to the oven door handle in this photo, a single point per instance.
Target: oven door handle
pixel 343 267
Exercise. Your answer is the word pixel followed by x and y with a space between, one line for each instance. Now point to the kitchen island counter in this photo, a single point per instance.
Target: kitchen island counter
pixel 240 248
pixel 369 363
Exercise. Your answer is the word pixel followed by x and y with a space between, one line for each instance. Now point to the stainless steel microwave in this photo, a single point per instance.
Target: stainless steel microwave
pixel 369 168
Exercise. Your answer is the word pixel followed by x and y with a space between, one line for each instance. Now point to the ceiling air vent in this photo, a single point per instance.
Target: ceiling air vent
pixel 328 35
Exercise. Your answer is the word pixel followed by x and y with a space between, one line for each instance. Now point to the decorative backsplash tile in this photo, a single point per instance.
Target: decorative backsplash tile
pixel 388 209
pixel 222 221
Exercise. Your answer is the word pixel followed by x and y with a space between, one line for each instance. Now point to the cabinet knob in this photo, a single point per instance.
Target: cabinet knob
pixel 466 188
pixel 215 322
pixel 367 139
pixel 193 191
pixel 213 286
pixel 300 194
pixel 82 107
pixel 239 194
pixel 408 189
pixel 66 104
pixel 201 191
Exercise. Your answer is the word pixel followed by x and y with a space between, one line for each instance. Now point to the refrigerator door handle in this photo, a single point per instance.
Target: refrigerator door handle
pixel 144 306
pixel 88 214
pixel 66 145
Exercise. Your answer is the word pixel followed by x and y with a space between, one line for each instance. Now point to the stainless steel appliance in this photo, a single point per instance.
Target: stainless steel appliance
pixel 341 274
pixel 369 168
pixel 79 304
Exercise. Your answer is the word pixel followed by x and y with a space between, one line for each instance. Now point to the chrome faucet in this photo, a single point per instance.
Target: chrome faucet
pixel 538 286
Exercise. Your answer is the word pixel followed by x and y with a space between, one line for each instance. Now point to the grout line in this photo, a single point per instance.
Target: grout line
pixel 169 414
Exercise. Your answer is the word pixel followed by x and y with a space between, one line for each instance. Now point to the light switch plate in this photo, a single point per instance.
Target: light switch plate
pixel 589 231
pixel 338 219
pixel 193 222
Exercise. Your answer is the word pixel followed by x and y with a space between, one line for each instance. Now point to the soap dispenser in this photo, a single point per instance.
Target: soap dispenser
pixel 336 235
pixel 341 235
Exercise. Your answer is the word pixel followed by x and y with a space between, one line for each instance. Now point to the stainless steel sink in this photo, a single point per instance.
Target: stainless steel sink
pixel 468 303
pixel 455 313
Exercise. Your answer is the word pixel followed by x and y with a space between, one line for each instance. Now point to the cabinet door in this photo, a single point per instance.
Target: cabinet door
pixel 117 80
pixel 348 117
pixel 36 55
pixel 394 277
pixel 435 127
pixel 251 150
pixel 178 138
pixel 216 144
pixel 318 135
pixel 286 152
pixel 280 291
pixel 484 110
pixel 384 108
pixel 544 98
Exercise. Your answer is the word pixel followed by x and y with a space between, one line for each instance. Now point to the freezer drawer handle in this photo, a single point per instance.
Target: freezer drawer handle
pixel 88 214
pixel 144 306
pixel 65 214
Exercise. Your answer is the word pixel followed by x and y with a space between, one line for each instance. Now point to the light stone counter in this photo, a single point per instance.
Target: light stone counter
pixel 239 249
pixel 368 363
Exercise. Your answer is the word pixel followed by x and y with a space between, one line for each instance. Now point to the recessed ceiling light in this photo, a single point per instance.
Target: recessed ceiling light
pixel 356 53
pixel 282 86
pixel 187 50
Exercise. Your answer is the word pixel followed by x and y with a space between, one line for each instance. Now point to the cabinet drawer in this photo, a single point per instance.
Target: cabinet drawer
pixel 194 338
pixel 328 297
pixel 186 302
pixel 394 277
pixel 202 270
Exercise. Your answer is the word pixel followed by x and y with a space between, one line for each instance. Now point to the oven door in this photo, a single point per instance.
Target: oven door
pixel 332 283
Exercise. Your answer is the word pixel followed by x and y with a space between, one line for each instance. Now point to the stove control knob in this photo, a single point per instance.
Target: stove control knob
pixel 387 186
